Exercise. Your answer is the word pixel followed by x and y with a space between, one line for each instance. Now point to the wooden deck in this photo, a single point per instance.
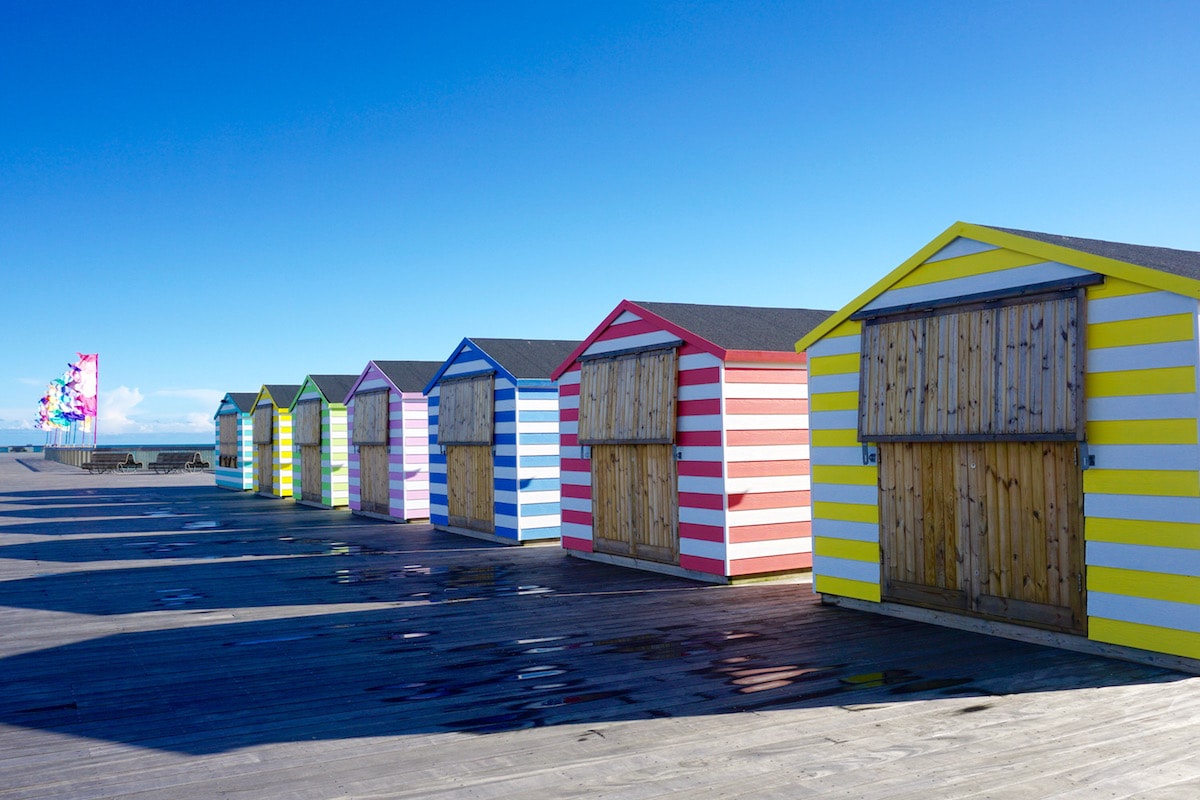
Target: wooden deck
pixel 162 638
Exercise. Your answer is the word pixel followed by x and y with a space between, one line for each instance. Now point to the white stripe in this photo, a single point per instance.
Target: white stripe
pixel 836 346
pixel 568 401
pixel 700 548
pixel 700 391
pixel 828 566
pixel 771 547
pixel 533 473
pixel 702 516
pixel 833 420
pixel 570 377
pixel 543 496
pixel 625 316
pixel 538 427
pixel 1167 560
pixel 1147 456
pixel 577 531
pixel 766 422
pixel 699 422
pixel 1142 507
pixel 975 284
pixel 769 516
pixel 829 384
pixel 787 483
pixel 1138 306
pixel 576 504
pixel 845 493
pixel 691 483
pixel 845 529
pixel 529 450
pixel 576 478
pixel 574 452
pixel 960 246
pixel 629 342
pixel 1142 356
pixel 540 521
pixel 697 453
pixel 767 391
pixel 780 452
pixel 698 361
pixel 1145 611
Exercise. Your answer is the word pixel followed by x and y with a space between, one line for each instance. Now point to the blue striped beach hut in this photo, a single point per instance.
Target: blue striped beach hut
pixel 234 422
pixel 493 440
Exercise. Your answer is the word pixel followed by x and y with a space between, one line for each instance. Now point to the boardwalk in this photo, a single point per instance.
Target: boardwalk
pixel 160 638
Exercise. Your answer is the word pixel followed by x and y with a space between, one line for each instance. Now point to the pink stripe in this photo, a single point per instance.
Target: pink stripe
pixel 575 465
pixel 577 517
pixel 700 469
pixel 568 415
pixel 571 543
pixel 692 408
pixel 415 441
pixel 568 390
pixel 422 424
pixel 699 438
pixel 762 564
pixel 709 565
pixel 705 533
pixel 569 439
pixel 699 377
pixel 713 502
pixel 575 490
pixel 631 328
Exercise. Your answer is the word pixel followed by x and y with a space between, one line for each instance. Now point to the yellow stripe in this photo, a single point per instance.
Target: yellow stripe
pixel 1136 531
pixel 1143 431
pixel 849 512
pixel 833 365
pixel 850 327
pixel 854 476
pixel 1166 380
pixel 1158 482
pixel 1115 287
pixel 834 401
pixel 1145 330
pixel 1150 585
pixel 1145 637
pixel 846 548
pixel 839 438
pixel 965 266
pixel 844 587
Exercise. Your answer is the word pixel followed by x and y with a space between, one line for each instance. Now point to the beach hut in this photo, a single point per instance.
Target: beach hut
pixel 1005 437
pixel 684 440
pixel 235 449
pixel 389 440
pixel 273 439
pixel 493 437
pixel 320 442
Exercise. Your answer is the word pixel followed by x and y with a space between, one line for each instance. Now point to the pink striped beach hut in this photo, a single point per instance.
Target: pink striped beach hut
pixel 684 441
pixel 388 419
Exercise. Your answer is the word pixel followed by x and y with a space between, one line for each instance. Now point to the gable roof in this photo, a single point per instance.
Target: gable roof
pixel 1161 268
pixel 281 394
pixel 242 401
pixel 739 332
pixel 408 376
pixel 333 388
pixel 521 359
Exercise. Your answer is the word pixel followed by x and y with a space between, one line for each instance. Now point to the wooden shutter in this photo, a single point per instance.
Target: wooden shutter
pixel 306 423
pixel 227 435
pixel 628 398
pixel 263 433
pixel 465 410
pixel 371 417
pixel 1011 370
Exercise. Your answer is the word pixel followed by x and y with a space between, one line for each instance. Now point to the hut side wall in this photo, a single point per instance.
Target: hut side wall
pixel 408 450
pixel 335 453
pixel 1141 496
pixel 241 477
pixel 526 473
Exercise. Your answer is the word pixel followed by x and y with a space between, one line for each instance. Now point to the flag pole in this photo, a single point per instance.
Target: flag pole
pixel 96 420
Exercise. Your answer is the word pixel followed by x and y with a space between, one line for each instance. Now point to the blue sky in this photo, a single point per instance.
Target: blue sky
pixel 219 195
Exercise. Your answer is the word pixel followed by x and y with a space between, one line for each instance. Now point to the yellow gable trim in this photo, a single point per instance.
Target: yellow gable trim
pixel 1132 273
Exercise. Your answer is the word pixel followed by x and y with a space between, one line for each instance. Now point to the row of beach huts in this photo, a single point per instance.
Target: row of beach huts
pixel 1001 434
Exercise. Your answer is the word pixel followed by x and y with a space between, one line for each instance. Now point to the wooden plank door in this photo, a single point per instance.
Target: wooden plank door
pixel 995 528
pixel 310 472
pixel 263 469
pixel 470 487
pixel 635 504
pixel 373 484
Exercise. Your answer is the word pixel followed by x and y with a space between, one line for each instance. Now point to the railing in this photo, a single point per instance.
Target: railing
pixel 76 456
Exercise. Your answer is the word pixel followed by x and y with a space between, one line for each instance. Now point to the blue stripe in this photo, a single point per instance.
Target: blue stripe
pixel 539 484
pixel 505 394
pixel 539 509
pixel 539 438
pixel 506 532
pixel 543 533
pixel 438 519
pixel 505 438
pixel 433 401
pixel 506 461
pixel 437 458
pixel 539 461
pixel 505 416
pixel 539 416
pixel 437 479
pixel 509 509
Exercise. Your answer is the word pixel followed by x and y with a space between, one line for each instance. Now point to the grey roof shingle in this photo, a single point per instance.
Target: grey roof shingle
pixel 334 387
pixel 409 376
pixel 528 358
pixel 243 400
pixel 282 393
pixel 742 327
pixel 1185 263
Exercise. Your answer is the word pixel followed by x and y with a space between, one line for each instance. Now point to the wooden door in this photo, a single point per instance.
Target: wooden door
pixel 310 472
pixel 373 485
pixel 263 469
pixel 635 508
pixel 470 488
pixel 995 528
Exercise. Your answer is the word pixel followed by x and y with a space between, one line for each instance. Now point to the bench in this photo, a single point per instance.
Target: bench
pixel 110 461
pixel 179 462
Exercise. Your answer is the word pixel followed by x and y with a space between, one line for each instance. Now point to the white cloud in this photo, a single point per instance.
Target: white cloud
pixel 115 407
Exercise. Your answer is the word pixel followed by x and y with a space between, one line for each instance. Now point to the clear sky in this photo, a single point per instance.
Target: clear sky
pixel 217 195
